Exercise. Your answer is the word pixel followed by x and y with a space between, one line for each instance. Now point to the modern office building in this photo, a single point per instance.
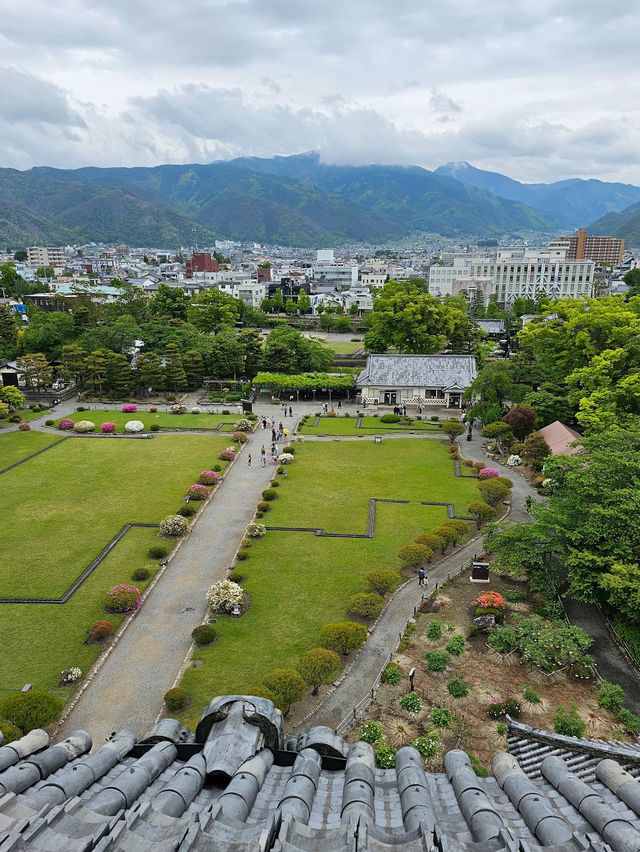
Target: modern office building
pixel 583 246
pixel 45 256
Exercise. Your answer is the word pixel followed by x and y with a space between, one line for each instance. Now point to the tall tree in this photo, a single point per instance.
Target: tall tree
pixel 73 358
pixel 149 370
pixel 251 343
pixel 211 310
pixel 175 376
pixel 193 367
pixel 304 302
pixel 35 370
pixel 170 302
pixel 95 366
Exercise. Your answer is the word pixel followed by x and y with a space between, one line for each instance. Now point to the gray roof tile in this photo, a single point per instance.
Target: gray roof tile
pixel 437 371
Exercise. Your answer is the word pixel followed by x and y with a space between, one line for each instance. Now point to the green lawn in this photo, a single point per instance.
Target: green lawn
pixel 25 414
pixel 298 581
pixel 164 419
pixel 15 446
pixel 72 500
pixel 370 425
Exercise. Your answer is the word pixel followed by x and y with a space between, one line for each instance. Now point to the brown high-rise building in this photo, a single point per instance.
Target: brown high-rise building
pixel 588 247
pixel 201 261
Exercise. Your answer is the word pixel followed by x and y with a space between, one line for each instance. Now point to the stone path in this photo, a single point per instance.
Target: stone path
pixel 128 689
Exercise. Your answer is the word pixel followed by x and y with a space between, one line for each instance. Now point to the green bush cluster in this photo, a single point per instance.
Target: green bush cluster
pixel 157 551
pixel 437 661
pixel 203 634
pixel 176 698
pixel 141 574
pixel 366 604
pixel 391 674
pixel 441 717
pixel 568 721
pixel 370 732
pixel 411 703
pixel 457 688
pixel 455 645
pixel 434 630
pixel 29 710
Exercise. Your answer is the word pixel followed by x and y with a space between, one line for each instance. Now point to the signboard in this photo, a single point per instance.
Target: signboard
pixel 480 572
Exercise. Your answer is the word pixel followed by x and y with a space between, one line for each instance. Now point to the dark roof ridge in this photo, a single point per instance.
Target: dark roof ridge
pixel 595 748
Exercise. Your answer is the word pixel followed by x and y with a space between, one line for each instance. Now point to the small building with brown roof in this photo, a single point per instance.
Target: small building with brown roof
pixel 559 438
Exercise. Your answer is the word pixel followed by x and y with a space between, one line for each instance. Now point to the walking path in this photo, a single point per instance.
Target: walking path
pixel 128 689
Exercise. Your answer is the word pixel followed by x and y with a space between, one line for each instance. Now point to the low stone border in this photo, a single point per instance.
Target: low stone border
pixel 33 455
pixel 104 656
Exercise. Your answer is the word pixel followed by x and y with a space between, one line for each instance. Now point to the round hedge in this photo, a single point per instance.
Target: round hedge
pixel 157 551
pixel 123 598
pixel 173 526
pixel 198 492
pixel 176 698
pixel 204 634
pixel 366 604
pixel 83 427
pixel 29 710
pixel 99 631
pixel 141 574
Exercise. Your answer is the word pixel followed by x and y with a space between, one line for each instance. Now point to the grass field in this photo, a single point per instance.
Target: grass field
pixel 298 581
pixel 370 426
pixel 15 446
pixel 164 419
pixel 64 506
pixel 25 415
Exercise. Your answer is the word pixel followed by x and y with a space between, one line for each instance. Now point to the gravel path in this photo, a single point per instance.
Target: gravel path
pixel 127 691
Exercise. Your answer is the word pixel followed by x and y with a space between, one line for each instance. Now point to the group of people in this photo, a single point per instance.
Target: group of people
pixel 326 409
pixel 400 409
pixel 275 452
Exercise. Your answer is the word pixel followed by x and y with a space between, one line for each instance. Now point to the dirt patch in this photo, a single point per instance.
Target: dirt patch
pixel 489 677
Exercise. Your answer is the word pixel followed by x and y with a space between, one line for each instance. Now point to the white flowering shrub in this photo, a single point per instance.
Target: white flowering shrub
pixel 224 595
pixel 256 530
pixel 173 526
pixel 178 409
pixel 286 458
pixel 195 410
pixel 243 425
pixel 514 460
pixel 84 426
pixel 70 676
pixel 134 426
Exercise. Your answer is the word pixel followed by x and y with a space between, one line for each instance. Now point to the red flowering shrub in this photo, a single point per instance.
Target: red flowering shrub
pixel 123 598
pixel 487 472
pixel 99 631
pixel 65 423
pixel 24 427
pixel 208 477
pixel 491 600
pixel 129 408
pixel 197 492
pixel 107 428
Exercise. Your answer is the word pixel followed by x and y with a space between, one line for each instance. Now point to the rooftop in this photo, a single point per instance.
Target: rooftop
pixel 559 438
pixel 418 371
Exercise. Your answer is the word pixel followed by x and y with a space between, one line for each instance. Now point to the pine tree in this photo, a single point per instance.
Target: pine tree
pixel 73 358
pixel 36 370
pixel 96 369
pixel 193 367
pixel 149 371
pixel 174 374
pixel 119 376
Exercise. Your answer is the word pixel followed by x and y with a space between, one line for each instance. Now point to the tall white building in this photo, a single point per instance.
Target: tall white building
pixel 45 256
pixel 513 273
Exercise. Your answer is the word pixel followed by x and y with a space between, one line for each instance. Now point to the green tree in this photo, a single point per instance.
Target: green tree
pixel 8 329
pixel 343 636
pixel 95 365
pixel 490 392
pixel 118 376
pixel 73 358
pixel 278 301
pixel 493 492
pixel 35 370
pixel 632 280
pixel 193 367
pixel 319 666
pixel 548 407
pixel 149 370
pixel 499 431
pixel 20 255
pixel 304 302
pixel 251 342
pixel 212 310
pixel 354 309
pixel 621 585
pixel 481 512
pixel 47 333
pixel 287 351
pixel 226 359
pixel 452 428
pixel 287 685
pixel 12 397
pixel 175 378
pixel 170 302
pixel 535 450
pixel 290 306
pixel 45 272
pixel 266 305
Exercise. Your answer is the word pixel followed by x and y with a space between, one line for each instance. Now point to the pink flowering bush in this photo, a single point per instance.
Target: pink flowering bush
pixel 24 427
pixel 197 492
pixel 239 438
pixel 487 472
pixel 228 454
pixel 208 477
pixel 129 408
pixel 65 423
pixel 123 598
pixel 107 428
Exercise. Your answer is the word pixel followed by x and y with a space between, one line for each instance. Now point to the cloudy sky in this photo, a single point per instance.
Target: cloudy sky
pixel 537 89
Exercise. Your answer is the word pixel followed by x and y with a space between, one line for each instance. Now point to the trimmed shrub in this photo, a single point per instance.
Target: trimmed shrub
pixel 176 698
pixel 134 426
pixel 434 630
pixel 108 428
pixel 437 661
pixel 488 472
pixel 9 731
pixel 611 696
pixel 433 542
pixel 204 634
pixel 493 492
pixel 319 666
pixel 98 632
pixel 195 410
pixel 457 688
pixel 481 512
pixel 227 455
pixel 256 530
pixel 366 604
pixel 274 484
pixel 178 409
pixel 390 418
pixel 290 449
pixel 157 551
pixel 269 494
pixel 236 577
pixel 455 645
pixel 239 438
pixel 84 427
pixel 441 717
pixel 155 427
pixel 385 756
pixel 187 511
pixel 434 417
pixel 288 685
pixel 391 674
pixel 568 721
pixel 216 468
pixel 197 492
pixel 242 555
pixel 24 427
pixel 171 397
pixel 224 595
pixel 449 534
pixel 208 477
pixel 81 408
pixel 383 580
pixel 427 745
pixel 49 422
pixel 141 574
pixel 15 418
pixel 414 555
pixel 123 598
pixel 263 506
pixel 343 636
pixel 173 526
pixel 411 703
pixel 128 409
pixel 29 710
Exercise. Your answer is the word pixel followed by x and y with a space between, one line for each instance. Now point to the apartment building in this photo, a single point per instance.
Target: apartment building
pixel 584 246
pixel 201 261
pixel 45 256
pixel 513 273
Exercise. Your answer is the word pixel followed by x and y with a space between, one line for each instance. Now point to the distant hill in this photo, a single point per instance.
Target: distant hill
pixel 624 225
pixel 570 203
pixel 293 200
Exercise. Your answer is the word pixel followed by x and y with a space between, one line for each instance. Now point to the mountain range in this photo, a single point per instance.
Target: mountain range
pixel 295 200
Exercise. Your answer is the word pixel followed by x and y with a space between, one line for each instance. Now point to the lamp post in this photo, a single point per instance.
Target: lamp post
pixel 412 674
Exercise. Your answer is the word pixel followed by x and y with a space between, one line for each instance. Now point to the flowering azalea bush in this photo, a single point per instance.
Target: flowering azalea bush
pixel 134 426
pixel 66 423
pixel 24 427
pixel 127 409
pixel 224 596
pixel 84 426
pixel 494 600
pixel 256 530
pixel 514 460
pixel 70 676
pixel 195 410
pixel 228 455
pixel 488 472
pixel 208 477
pixel 508 706
pixel 244 425
pixel 178 409
pixel 197 492
pixel 286 458
pixel 123 598
pixel 107 428
pixel 173 526
pixel 239 438
pixel 99 631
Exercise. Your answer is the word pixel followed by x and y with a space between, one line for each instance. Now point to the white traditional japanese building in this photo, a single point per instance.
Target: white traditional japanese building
pixel 412 379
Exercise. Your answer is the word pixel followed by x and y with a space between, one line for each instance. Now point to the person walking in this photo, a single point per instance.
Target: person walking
pixel 249 460
pixel 290 411
pixel 263 455
pixel 339 403
pixel 421 577
pixel 264 422
pixel 273 433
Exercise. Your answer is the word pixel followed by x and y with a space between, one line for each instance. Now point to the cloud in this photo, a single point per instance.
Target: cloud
pixel 26 99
